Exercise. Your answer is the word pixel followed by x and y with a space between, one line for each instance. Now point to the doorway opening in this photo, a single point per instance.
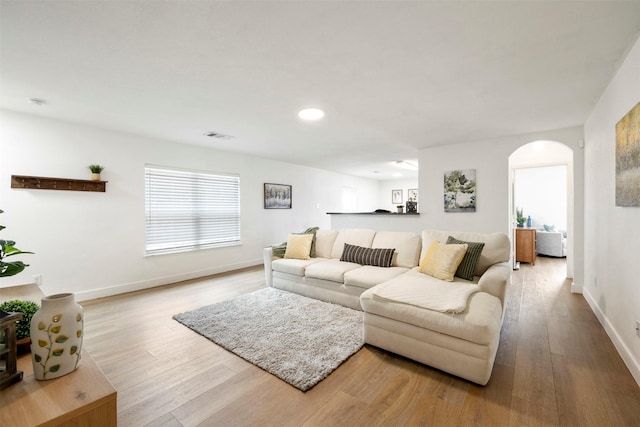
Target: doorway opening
pixel 541 183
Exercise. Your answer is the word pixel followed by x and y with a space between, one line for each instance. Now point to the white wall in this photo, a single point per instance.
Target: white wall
pixel 612 234
pixel 92 244
pixel 490 158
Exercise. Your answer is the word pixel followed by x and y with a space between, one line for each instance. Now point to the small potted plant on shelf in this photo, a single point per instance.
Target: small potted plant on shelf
pixel 28 309
pixel 520 219
pixel 95 172
pixel 400 208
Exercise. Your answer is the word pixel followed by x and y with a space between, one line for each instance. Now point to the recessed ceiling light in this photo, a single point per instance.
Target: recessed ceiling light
pixel 311 114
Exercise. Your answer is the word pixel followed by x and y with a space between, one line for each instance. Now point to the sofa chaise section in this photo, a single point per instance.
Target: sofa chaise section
pixel 463 344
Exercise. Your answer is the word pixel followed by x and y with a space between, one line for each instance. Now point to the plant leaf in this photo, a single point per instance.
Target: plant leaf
pixel 41 326
pixel 54 368
pixel 58 352
pixel 73 349
pixel 37 357
pixel 56 329
pixel 42 343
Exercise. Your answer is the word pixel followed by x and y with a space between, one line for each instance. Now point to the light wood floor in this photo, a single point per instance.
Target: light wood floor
pixel 555 366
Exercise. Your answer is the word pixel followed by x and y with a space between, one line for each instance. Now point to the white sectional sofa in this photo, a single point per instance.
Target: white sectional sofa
pixel 453 326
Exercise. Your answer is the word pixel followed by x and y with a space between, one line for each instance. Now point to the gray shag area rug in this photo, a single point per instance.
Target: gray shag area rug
pixel 298 339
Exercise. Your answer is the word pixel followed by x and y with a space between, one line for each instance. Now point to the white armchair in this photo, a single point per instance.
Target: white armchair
pixel 551 243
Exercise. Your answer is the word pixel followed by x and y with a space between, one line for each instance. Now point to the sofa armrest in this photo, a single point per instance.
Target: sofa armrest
pixel 494 281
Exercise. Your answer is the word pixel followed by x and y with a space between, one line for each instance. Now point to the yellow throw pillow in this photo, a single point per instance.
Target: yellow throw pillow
pixel 299 246
pixel 441 260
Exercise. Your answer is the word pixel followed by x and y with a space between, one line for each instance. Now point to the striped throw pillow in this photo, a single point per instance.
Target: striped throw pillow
pixel 367 256
pixel 467 268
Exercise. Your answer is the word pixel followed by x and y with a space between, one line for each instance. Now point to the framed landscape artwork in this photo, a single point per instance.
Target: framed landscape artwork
pixel 277 196
pixel 396 197
pixel 628 159
pixel 460 191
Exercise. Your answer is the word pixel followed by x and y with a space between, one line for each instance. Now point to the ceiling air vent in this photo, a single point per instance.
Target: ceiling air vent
pixel 218 135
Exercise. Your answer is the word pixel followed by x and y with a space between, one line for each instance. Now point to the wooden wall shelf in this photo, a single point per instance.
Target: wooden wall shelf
pixel 67 184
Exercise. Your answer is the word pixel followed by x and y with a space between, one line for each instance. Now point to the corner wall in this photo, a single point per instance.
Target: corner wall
pixel 93 244
pixel 612 234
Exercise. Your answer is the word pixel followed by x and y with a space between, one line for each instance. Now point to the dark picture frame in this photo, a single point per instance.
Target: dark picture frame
pixel 277 196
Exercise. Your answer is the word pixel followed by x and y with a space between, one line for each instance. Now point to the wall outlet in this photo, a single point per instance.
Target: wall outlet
pixel 37 279
pixel 638 328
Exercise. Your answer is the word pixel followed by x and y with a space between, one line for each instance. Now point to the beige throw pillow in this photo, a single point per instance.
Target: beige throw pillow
pixel 441 261
pixel 299 246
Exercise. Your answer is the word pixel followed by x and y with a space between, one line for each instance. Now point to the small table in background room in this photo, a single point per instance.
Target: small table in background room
pixel 526 245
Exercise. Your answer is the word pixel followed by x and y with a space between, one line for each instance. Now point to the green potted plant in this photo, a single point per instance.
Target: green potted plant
pixel 95 172
pixel 520 218
pixel 28 309
pixel 7 249
pixel 400 208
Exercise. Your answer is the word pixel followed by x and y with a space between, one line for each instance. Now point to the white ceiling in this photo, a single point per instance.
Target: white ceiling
pixel 393 77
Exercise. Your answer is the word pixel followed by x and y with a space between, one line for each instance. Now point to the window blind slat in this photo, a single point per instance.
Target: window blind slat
pixel 189 210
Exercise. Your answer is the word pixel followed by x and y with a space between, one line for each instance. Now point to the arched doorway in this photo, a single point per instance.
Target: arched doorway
pixel 545 156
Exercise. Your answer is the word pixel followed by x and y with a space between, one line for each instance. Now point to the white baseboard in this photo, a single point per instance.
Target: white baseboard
pixel 623 350
pixel 576 288
pixel 159 281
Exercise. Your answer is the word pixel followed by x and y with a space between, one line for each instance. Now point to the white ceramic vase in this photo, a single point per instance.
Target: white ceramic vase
pixel 56 336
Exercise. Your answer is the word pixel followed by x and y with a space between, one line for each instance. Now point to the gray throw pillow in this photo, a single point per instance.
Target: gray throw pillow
pixel 367 256
pixel 467 268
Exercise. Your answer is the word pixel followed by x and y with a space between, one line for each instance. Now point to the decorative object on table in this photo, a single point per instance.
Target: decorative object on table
pixel 628 159
pixel 7 249
pixel 277 196
pixel 520 219
pixel 529 221
pixel 298 339
pixel 95 172
pixel 396 197
pixel 56 336
pixel 9 373
pixel 23 332
pixel 460 191
pixel 412 207
pixel 400 208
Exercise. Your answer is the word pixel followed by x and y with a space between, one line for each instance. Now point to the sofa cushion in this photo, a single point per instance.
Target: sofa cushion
pixel 406 244
pixel 467 267
pixel 369 276
pixel 497 246
pixel 332 270
pixel 299 246
pixel 324 242
pixel 294 266
pixel 367 256
pixel 353 236
pixel 441 260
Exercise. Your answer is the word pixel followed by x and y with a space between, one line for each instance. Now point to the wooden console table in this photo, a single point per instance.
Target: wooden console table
pixel 84 397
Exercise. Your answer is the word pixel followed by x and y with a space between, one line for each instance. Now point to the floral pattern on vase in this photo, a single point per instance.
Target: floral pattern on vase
pixel 56 336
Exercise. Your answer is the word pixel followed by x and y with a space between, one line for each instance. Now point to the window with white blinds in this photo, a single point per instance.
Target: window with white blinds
pixel 190 210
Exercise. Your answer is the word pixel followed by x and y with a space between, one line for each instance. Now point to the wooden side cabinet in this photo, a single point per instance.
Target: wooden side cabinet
pixel 526 245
